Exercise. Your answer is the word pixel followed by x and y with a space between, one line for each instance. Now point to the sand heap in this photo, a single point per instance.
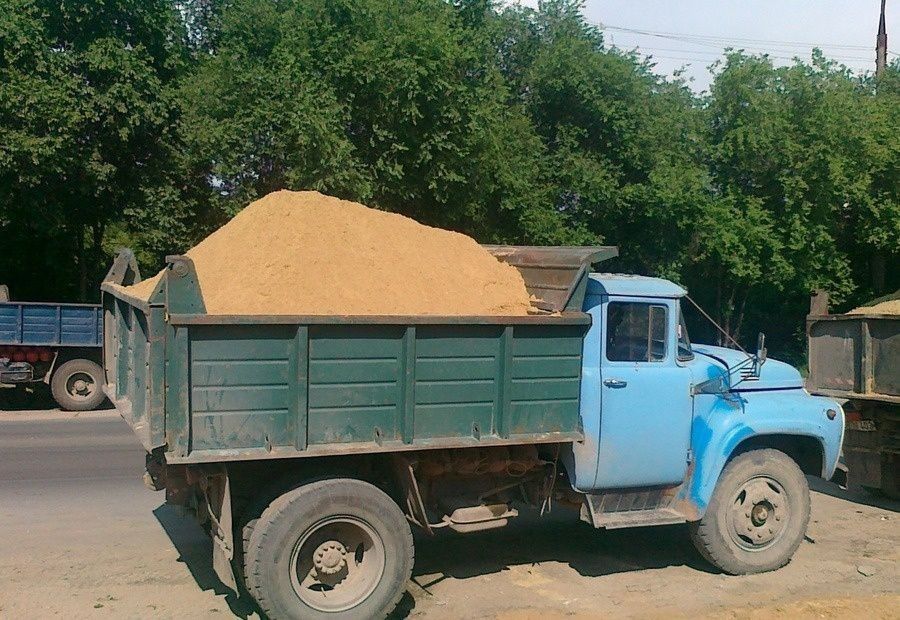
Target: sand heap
pixel 888 306
pixel 307 253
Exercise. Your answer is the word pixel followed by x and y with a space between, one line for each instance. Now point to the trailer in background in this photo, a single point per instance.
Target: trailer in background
pixel 857 357
pixel 57 344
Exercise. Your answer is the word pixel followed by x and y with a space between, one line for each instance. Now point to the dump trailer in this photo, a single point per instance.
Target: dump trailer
pixel 309 446
pixel 58 344
pixel 857 357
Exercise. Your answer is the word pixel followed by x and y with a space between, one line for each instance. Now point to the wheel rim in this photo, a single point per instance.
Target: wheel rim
pixel 759 514
pixel 337 564
pixel 80 386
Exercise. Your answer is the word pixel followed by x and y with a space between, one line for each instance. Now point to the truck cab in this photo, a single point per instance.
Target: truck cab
pixel 663 418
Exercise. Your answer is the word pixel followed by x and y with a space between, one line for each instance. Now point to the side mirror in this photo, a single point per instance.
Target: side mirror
pixel 759 359
pixel 716 385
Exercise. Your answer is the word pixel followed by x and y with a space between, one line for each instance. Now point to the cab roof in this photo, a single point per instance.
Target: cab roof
pixel 629 285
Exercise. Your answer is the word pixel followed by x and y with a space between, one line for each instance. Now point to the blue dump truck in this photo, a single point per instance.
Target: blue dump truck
pixel 58 344
pixel 310 446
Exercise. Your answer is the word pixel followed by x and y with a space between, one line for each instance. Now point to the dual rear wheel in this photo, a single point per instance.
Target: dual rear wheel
pixel 332 548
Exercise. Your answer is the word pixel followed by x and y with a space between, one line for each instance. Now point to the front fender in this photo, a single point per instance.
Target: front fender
pixel 722 422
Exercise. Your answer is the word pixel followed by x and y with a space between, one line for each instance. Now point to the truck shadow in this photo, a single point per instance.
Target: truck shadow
pixel 855 495
pixel 36 397
pixel 556 538
pixel 195 551
pixel 529 539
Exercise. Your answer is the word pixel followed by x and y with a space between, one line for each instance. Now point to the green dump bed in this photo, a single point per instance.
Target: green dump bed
pixel 213 387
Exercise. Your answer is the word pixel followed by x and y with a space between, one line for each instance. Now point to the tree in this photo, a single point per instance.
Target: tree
pixel 86 119
pixel 397 104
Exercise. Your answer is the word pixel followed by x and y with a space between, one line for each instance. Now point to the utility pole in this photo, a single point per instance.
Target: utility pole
pixel 881 45
pixel 878 261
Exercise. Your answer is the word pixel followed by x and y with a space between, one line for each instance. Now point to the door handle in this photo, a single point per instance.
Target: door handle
pixel 614 383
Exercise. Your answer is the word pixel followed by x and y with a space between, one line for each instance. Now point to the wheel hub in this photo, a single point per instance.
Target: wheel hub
pixel 80 385
pixel 330 558
pixel 759 513
pixel 337 564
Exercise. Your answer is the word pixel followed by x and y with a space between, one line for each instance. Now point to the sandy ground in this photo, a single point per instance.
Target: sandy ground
pixel 80 537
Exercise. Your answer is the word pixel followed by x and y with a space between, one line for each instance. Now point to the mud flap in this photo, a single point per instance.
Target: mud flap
pixel 218 500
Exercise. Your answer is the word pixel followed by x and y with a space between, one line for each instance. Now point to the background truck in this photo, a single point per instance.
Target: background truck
pixel 857 357
pixel 309 445
pixel 59 344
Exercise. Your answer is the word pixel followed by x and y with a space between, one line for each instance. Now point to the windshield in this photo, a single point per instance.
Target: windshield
pixel 684 343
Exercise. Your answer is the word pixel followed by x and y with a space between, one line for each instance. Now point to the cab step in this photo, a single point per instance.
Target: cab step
pixel 630 509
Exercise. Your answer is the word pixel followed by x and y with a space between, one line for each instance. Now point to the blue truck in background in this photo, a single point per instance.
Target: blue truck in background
pixel 58 344
pixel 310 445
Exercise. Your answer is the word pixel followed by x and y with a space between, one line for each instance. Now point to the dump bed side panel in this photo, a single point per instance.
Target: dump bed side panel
pixel 264 390
pixel 134 359
pixel 854 355
pixel 61 325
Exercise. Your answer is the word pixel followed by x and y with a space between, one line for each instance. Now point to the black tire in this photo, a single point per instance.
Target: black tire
pixel 65 392
pixel 274 549
pixel 768 487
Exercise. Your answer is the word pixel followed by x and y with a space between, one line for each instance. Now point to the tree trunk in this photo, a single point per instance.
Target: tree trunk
pixel 82 263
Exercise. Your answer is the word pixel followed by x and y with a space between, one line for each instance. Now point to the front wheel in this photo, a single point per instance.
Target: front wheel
pixel 757 516
pixel 336 548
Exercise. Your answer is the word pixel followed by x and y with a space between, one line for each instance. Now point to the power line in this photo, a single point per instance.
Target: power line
pixel 718 40
pixel 718 54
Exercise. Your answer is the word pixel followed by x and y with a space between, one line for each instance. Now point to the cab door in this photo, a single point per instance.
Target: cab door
pixel 645 401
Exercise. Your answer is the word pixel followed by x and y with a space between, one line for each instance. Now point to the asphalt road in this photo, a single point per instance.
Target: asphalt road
pixel 80 537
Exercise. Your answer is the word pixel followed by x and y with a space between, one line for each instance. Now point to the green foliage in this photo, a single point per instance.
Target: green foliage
pixel 86 124
pixel 149 123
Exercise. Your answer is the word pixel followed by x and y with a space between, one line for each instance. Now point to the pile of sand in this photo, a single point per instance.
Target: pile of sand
pixel 307 253
pixel 885 307
pixel 889 304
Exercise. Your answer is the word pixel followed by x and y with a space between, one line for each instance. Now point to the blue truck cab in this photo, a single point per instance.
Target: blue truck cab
pixel 676 431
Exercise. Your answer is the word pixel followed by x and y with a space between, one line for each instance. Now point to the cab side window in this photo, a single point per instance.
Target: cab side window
pixel 635 332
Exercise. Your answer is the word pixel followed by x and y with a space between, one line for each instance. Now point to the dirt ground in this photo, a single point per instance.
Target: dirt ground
pixel 81 538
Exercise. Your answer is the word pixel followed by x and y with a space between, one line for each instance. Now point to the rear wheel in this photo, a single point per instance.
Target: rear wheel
pixel 337 548
pixel 757 516
pixel 77 385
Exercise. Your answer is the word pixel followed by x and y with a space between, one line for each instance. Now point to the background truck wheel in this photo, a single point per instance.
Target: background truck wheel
pixel 757 516
pixel 77 385
pixel 337 548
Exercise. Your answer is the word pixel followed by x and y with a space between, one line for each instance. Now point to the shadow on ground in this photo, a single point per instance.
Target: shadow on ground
pixel 195 550
pixel 558 538
pixel 35 396
pixel 529 540
pixel 855 495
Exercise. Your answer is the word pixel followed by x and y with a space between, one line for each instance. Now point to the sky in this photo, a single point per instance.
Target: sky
pixel 692 33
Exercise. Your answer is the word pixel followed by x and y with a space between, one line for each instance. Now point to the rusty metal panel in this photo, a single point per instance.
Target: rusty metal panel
pixel 885 335
pixel 835 353
pixel 555 275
